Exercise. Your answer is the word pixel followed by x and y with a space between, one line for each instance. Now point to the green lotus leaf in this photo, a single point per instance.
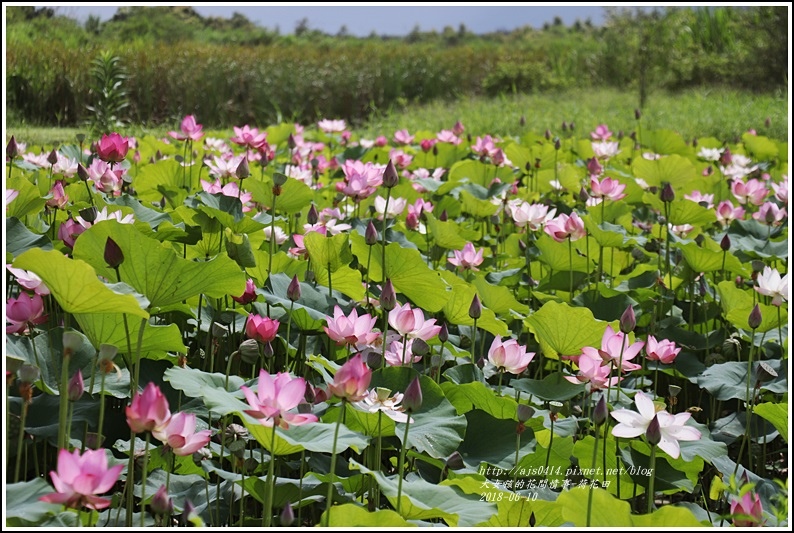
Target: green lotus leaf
pixel 777 414
pixel 23 507
pixel 665 142
pixel 456 309
pixel 498 298
pixel 20 239
pixel 328 252
pixel 295 195
pixel 668 516
pixel 109 329
pixel 565 330
pixel 351 515
pixel 480 446
pixel 674 169
pixel 28 201
pixel 553 387
pixel 476 395
pixel 726 381
pixel 760 147
pixel 446 234
pixel 556 255
pixel 738 304
pixel 476 207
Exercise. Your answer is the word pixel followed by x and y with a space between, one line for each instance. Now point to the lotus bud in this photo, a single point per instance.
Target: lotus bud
pixel 76 387
pixel 557 143
pixel 371 234
pixel 313 215
pixel 287 516
pixel 420 347
pixel 694 142
pixel 435 150
pixel 82 173
pixel 725 243
pixel 475 309
pixel 532 519
pixel 547 135
pixel 564 126
pixel 28 373
pixel 12 148
pixel 291 142
pixel 243 170
pixel 627 320
pixel 454 461
pixel 161 504
pixel 522 121
pixel 267 350
pixel 458 128
pixel 601 411
pixel 620 135
pixel 524 412
pixel 52 158
pixel 594 167
pixel 443 216
pixel 572 126
pixel 637 114
pixel 390 175
pixel 249 351
pixel 667 195
pixel 388 299
pixel 114 257
pixel 654 432
pixel 755 318
pixel 189 515
pixel 412 399
pixel 726 158
pixel 294 289
pixel 583 196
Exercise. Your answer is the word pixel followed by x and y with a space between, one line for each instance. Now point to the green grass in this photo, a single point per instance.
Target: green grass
pixel 724 114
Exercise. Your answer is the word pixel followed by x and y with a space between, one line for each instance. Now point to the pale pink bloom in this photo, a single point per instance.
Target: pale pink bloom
pixel 605 149
pixel 615 350
pixel 378 399
pixel 355 187
pixel 395 208
pixel 190 130
pixel 65 166
pixel 353 330
pixel 281 235
pixel 212 144
pixel 104 215
pixel 23 312
pixel 59 197
pixel 601 133
pixel 411 322
pixel 274 398
pixel 697 197
pixel 329 227
pixel 710 154
pixel 366 143
pixel 633 424
pixel 458 128
pixel 420 206
pixel 231 189
pixel 665 351
pixel 97 169
pixel 771 284
pixel 40 160
pixel 180 434
pixel 299 250
pixel 593 373
pixel 223 167
pixel 509 356
pixel 110 183
pixel 642 183
pixel 752 192
pixel 70 229
pixel 394 353
pixel 781 189
pixel 80 478
pixel 11 195
pixel 564 227
pixel 681 231
pixel 249 137
pixel 372 173
pixel 770 214
pixel 403 137
pixel 381 141
pixel 332 126
pixel 29 280
pixel 300 173
pixel 499 159
pixel 352 379
pixel 484 146
pixel 650 156
pixel 747 511
pixel 608 188
pixel 261 328
pixel 149 410
pixel 423 173
pixel 400 158
pixel 467 259
pixel 741 160
pixel 533 216
pixel 446 136
pixel 726 213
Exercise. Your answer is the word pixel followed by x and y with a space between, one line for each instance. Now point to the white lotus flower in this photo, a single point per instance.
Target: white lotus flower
pixel 771 284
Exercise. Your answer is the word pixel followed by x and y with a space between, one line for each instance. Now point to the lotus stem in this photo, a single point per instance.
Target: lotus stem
pixel 652 479
pixel 330 494
pixel 590 495
pixel 21 439
pixel 401 464
pixel 143 476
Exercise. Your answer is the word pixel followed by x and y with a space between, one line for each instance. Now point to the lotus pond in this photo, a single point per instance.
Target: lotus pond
pixel 299 326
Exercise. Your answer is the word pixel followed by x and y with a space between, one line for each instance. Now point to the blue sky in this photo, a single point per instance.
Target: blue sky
pixel 392 19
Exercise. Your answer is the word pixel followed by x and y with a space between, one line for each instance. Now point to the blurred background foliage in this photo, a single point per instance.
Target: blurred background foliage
pixel 172 62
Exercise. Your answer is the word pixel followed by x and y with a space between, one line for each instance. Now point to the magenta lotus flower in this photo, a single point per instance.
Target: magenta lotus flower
pixel 411 322
pixel 261 328
pixel 59 198
pixel 275 397
pixel 180 434
pixel 509 356
pixel 564 227
pixel 427 144
pixel 403 137
pixel 533 216
pixel 248 295
pixel 747 511
pixel 633 424
pixel 69 231
pixel 665 351
pixel 29 280
pixel 753 192
pixel 190 130
pixel 148 411
pixel 249 137
pixel 80 478
pixel 614 349
pixel 593 373
pixel 332 126
pixel 24 312
pixel 467 259
pixel 352 330
pixel 608 188
pixel 400 158
pixel 113 148
pixel 484 146
pixel 770 214
pixel 771 284
pixel 727 213
pixel 601 133
pixel 352 379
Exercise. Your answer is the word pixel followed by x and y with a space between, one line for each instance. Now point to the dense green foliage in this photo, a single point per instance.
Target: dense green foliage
pixel 230 71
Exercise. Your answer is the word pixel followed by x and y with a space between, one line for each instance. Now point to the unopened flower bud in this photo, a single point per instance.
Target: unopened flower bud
pixel 443 334
pixel 294 289
pixel 419 347
pixel 627 320
pixel 443 216
pixel 768 122
pixel 583 196
pixel 313 215
pixel 654 432
pixel 524 412
pixel 114 257
pixel 667 194
pixel 249 351
pixel 291 142
pixel 267 350
pixel 557 143
pixel 564 126
pixel 755 318
pixel 76 387
pixel 458 128
pixel 522 121
pixel 637 114
pixel 475 309
pixel 82 173
pixel 601 411
pixel 371 234
pixel 12 148
pixel 412 399
pixel 547 135
pixel 388 299
pixel 243 170
pixel 161 504
pixel 390 175
pixel 572 125
pixel 725 243
pixel 52 158
pixel 455 461
pixel 287 516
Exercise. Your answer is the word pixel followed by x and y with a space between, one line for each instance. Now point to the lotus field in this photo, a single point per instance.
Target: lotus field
pixel 298 326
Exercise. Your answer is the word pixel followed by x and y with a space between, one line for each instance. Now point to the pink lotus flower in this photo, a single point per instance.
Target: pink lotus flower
pixel 261 328
pixel 423 173
pixel 394 353
pixel 605 149
pixel 681 231
pixel 601 133
pixel 29 280
pixel 65 166
pixel 332 126
pixel 664 351
pixel 420 206
pixel 771 284
pixel 275 397
pixel 698 197
pixel 468 258
pixel 633 424
pixel 752 192
pixel 231 189
pixel 190 130
pixel 533 216
pixel 113 148
pixel 614 349
pixel 593 373
pixel 249 137
pixel 411 322
pixel 104 215
pixel 509 356
pixel 248 295
pixel 427 144
pixel 280 236
pixel 180 434
pixel 351 380
pixel 608 188
pixel 223 167
pixel 149 410
pixel 747 511
pixel 403 137
pixel 69 231
pixel 564 227
pixel 351 330
pixel 400 158
pixel 80 478
pixel 110 183
pixel 770 214
pixel 24 312
pixel 458 128
pixel 447 136
pixel 395 208
pixel 11 194
pixel 484 146
pixel 781 190
pixel 726 213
